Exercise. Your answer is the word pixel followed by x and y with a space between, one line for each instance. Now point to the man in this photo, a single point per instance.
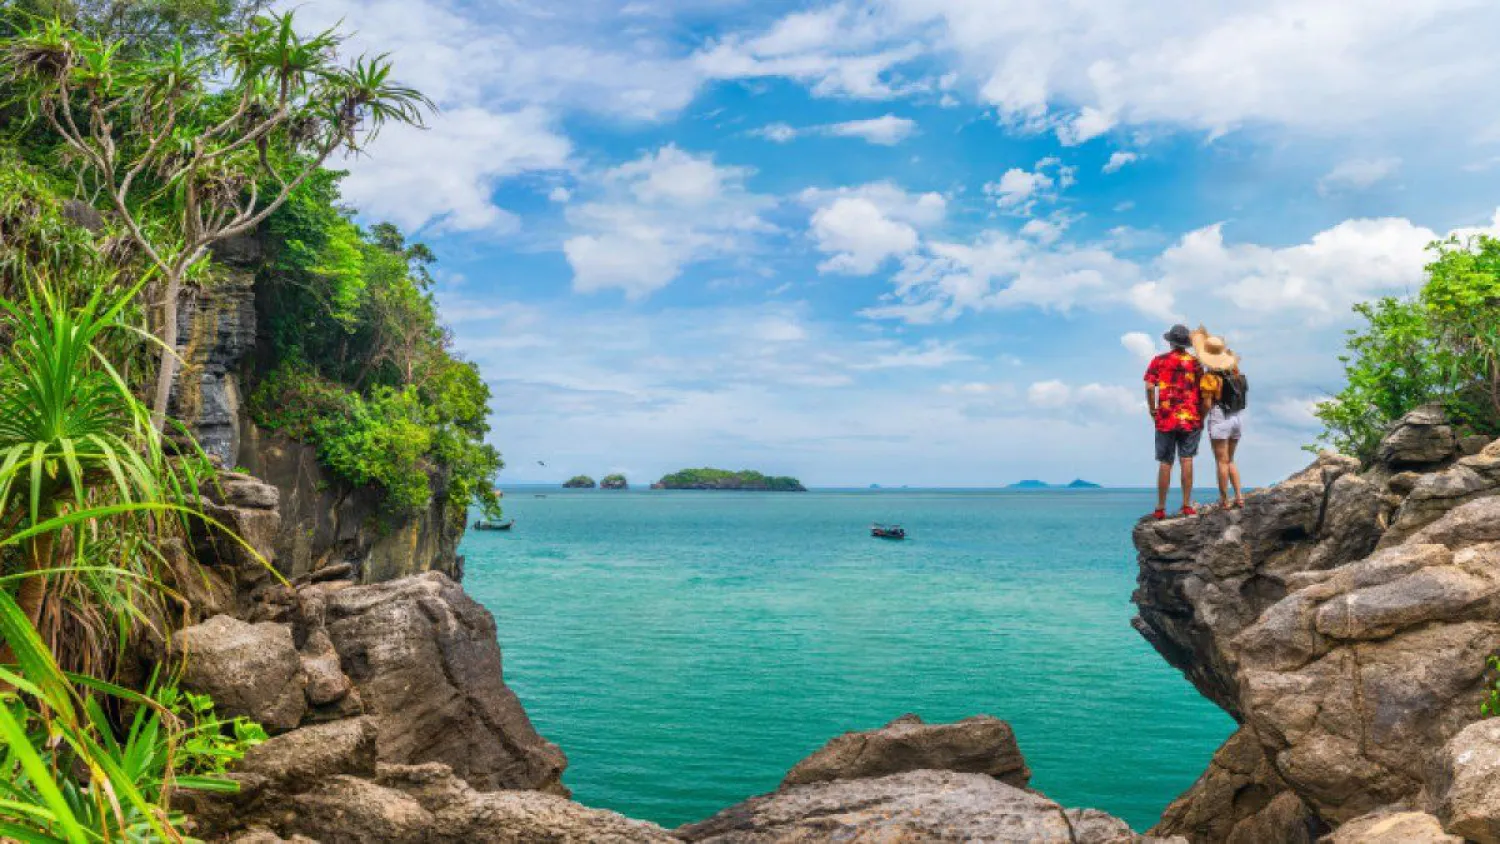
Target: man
pixel 1173 397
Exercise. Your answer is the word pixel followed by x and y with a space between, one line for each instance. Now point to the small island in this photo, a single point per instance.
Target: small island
pixel 1034 484
pixel 614 481
pixel 579 482
pixel 723 479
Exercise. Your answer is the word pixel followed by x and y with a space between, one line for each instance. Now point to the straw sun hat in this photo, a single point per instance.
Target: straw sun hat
pixel 1211 350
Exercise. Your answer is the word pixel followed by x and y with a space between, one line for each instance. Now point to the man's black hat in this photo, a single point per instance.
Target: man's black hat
pixel 1178 336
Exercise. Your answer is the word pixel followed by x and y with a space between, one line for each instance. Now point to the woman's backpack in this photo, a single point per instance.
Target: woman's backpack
pixel 1235 393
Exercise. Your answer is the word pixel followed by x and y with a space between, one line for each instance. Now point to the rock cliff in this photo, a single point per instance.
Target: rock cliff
pixel 1343 617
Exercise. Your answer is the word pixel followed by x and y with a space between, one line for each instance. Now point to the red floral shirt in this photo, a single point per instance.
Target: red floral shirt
pixel 1175 375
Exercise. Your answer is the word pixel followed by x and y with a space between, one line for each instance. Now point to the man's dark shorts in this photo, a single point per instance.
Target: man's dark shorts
pixel 1171 445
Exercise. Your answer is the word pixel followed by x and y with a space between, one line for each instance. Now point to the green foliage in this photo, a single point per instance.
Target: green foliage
pixel 579 482
pixel 724 479
pixel 1490 708
pixel 1444 346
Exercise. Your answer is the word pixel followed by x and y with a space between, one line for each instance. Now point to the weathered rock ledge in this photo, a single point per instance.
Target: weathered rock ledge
pixel 1343 617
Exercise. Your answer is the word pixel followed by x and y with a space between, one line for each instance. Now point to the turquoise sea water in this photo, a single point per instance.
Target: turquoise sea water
pixel 686 648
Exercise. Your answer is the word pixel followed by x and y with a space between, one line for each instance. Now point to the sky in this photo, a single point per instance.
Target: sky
pixel 925 242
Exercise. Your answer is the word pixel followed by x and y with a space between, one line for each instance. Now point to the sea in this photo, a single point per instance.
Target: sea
pixel 686 648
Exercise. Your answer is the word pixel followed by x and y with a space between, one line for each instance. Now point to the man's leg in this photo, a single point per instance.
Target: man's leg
pixel 1221 465
pixel 1187 482
pixel 1163 483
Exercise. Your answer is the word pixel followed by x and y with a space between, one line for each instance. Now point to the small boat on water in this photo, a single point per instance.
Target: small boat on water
pixel 484 525
pixel 880 531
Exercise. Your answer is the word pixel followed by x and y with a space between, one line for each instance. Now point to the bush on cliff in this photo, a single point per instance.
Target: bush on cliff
pixel 1441 346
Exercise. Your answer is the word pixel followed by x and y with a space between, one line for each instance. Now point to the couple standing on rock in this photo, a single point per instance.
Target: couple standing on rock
pixel 1183 388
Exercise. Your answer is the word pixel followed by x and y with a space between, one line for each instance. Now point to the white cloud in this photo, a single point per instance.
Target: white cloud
pixel 1140 344
pixel 930 355
pixel 1297 411
pixel 445 176
pixel 886 130
pixel 1085 67
pixel 1117 160
pixel 1357 174
pixel 559 194
pixel 657 214
pixel 862 227
pixel 1094 398
pixel 1019 190
pixel 776 132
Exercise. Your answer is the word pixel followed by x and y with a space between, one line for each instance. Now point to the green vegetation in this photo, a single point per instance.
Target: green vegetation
pixel 138 136
pixel 614 481
pixel 579 482
pixel 1490 707
pixel 1442 346
pixel 744 479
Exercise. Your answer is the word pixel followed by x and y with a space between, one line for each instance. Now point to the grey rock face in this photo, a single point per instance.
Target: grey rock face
pixel 1240 799
pixel 978 745
pixel 1468 783
pixel 916 806
pixel 326 523
pixel 216 331
pixel 250 670
pixel 1433 495
pixel 1421 438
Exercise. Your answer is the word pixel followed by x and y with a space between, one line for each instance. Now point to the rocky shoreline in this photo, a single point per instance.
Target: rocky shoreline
pixel 1343 618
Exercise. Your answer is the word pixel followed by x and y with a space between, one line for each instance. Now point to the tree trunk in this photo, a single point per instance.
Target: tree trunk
pixel 33 590
pixel 166 371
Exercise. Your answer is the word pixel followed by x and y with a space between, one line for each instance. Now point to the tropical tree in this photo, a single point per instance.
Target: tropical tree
pixel 188 149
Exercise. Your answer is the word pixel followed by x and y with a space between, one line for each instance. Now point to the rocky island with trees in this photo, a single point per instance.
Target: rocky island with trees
pixel 723 479
pixel 614 481
pixel 579 482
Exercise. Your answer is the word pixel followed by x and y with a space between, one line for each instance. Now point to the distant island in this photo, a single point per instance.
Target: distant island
pixel 615 481
pixel 1032 484
pixel 744 479
pixel 579 482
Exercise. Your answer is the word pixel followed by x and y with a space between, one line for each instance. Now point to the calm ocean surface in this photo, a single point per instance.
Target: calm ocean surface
pixel 686 648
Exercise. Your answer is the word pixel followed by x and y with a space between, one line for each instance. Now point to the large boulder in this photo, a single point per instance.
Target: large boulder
pixel 250 670
pixel 916 806
pixel 1421 438
pixel 1433 495
pixel 977 745
pixel 1468 783
pixel 1392 827
pixel 1240 799
pixel 423 658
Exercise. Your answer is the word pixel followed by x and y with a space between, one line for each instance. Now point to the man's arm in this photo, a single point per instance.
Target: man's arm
pixel 1151 400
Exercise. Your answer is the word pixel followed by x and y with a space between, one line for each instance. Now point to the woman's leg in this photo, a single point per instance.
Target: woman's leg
pixel 1233 470
pixel 1222 456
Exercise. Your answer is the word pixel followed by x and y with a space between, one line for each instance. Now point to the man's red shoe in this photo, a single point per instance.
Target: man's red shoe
pixel 1159 515
pixel 1188 510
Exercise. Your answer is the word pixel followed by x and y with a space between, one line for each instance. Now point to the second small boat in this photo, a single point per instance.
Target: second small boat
pixel 880 531
pixel 483 525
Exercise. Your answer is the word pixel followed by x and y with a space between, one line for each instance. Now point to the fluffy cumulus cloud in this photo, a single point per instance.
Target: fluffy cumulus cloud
pixel 1311 283
pixel 861 228
pixel 651 217
pixel 1118 160
pixel 1019 191
pixel 1085 67
pixel 1358 174
pixel 1140 345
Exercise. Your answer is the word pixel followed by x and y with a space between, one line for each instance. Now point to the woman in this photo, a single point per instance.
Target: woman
pixel 1225 390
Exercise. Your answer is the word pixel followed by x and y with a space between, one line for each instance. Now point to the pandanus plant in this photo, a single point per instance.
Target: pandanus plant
pixel 188 149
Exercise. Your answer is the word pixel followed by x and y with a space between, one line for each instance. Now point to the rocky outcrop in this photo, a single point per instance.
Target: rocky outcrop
pixel 216 331
pixel 325 522
pixel 1392 827
pixel 912 781
pixel 417 656
pixel 1467 786
pixel 1344 618
pixel 914 806
pixel 977 745
pixel 324 783
pixel 1240 799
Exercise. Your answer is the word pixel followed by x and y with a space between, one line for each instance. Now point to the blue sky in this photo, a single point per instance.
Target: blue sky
pixel 926 242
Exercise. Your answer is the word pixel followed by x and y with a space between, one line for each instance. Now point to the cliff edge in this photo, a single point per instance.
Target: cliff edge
pixel 1343 617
